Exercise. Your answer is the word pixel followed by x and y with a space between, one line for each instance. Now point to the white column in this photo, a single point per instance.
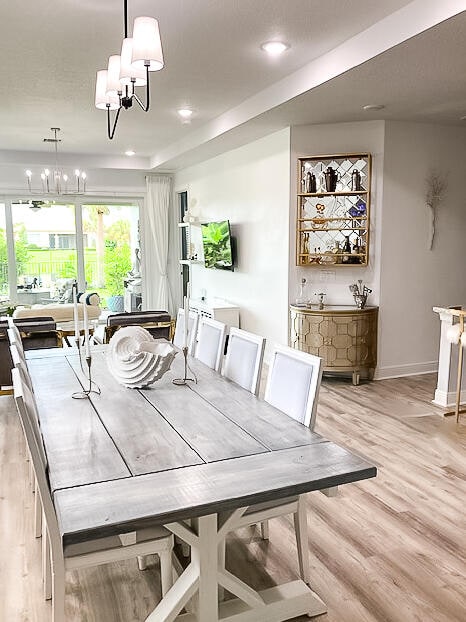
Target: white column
pixel 12 276
pixel 447 364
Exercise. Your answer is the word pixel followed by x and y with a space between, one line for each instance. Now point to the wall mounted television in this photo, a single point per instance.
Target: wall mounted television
pixel 218 245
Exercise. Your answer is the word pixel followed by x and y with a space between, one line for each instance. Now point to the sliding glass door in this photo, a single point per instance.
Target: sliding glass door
pixel 57 243
pixel 45 251
pixel 112 252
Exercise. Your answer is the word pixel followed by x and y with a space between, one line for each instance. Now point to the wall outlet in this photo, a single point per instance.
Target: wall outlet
pixel 327 276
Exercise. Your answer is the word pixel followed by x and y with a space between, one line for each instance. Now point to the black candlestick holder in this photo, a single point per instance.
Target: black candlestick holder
pixel 185 379
pixel 79 395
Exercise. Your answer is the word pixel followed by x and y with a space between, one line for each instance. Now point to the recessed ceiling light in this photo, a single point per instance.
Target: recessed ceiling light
pixel 370 107
pixel 130 152
pixel 185 113
pixel 274 48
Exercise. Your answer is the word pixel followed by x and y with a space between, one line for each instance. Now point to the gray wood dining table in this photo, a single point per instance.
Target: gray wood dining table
pixel 128 458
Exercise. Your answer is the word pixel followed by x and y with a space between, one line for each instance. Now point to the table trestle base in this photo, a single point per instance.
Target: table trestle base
pixel 282 602
pixel 206 576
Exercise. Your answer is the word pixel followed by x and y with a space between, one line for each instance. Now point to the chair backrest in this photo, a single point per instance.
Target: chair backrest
pixel 39 464
pixel 158 323
pixel 28 334
pixel 210 342
pixel 14 338
pixel 178 338
pixel 243 360
pixel 27 408
pixel 20 361
pixel 293 383
pixel 36 332
pixel 12 326
pixel 5 356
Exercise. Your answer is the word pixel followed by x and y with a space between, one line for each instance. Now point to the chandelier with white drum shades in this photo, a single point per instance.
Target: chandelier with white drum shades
pixel 140 54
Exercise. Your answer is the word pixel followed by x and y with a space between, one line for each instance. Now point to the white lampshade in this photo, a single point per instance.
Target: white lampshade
pixel 113 75
pixel 101 97
pixel 128 71
pixel 147 47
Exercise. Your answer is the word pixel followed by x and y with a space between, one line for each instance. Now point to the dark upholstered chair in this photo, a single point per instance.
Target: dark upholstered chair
pixel 36 333
pixel 158 323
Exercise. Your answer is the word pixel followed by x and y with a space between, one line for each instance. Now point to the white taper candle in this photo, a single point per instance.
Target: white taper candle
pixel 87 348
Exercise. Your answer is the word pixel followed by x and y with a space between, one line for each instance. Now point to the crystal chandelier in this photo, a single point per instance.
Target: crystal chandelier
pixel 57 181
pixel 140 54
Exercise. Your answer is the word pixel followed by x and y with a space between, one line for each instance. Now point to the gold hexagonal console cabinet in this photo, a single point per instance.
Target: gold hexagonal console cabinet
pixel 344 336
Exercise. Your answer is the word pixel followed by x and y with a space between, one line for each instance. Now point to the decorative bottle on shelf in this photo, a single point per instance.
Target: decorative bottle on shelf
pixel 331 178
pixel 362 246
pixel 356 250
pixel 356 180
pixel 346 250
pixel 311 184
pixel 302 297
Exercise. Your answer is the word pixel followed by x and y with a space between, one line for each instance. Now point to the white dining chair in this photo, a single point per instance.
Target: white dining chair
pixel 210 342
pixel 178 337
pixel 243 360
pixel 18 361
pixel 14 328
pixel 31 412
pixel 94 552
pixel 14 337
pixel 293 384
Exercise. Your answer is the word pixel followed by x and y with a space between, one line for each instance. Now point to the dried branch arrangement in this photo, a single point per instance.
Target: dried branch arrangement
pixel 436 186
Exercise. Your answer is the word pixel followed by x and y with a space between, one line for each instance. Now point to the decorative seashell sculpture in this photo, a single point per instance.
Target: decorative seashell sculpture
pixel 136 359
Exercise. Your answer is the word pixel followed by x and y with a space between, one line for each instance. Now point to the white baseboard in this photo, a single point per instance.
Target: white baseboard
pixel 447 398
pixel 411 369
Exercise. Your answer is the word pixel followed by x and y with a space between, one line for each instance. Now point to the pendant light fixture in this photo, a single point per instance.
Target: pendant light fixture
pixel 57 181
pixel 140 54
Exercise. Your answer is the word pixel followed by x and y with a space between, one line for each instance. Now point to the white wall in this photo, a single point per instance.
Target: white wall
pixel 414 279
pixel 328 139
pixel 248 186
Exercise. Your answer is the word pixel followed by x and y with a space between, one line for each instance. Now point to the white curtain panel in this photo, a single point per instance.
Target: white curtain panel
pixel 156 232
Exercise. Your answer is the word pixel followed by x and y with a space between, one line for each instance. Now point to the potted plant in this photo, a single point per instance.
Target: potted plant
pixel 117 266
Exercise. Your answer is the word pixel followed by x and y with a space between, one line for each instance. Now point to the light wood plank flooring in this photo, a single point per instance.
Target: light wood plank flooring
pixel 390 549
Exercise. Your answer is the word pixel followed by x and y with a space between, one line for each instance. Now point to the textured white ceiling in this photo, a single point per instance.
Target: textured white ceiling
pixel 51 50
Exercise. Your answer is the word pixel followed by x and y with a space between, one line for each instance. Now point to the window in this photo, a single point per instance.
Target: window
pixel 50 252
pixel 60 240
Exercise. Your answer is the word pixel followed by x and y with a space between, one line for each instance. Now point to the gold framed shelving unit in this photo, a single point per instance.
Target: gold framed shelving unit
pixel 333 210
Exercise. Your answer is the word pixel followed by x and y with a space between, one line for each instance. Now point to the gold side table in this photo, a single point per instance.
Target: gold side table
pixel 345 337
